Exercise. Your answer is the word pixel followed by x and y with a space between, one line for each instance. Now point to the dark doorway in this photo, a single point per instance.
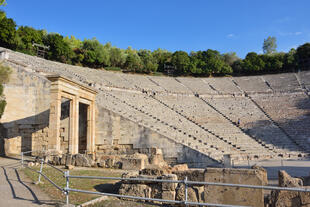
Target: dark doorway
pixel 83 108
pixel 64 125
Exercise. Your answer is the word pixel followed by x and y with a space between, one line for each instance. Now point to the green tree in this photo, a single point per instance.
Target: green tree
pixel 4 77
pixel 162 57
pixel 117 57
pixel 237 67
pixel 73 42
pixel 270 45
pixel 303 56
pixel 230 57
pixel 273 62
pixel 95 54
pixel 211 62
pixel 290 62
pixel 148 61
pixel 7 33
pixel 26 36
pixel 133 62
pixel 253 63
pixel 59 49
pixel 2 14
pixel 181 61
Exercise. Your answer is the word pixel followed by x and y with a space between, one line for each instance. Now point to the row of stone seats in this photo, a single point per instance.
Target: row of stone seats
pixel 197 85
pixel 127 110
pixel 286 82
pixel 252 84
pixel 253 120
pixel 304 78
pixel 206 118
pixel 143 82
pixel 170 85
pixel 179 123
pixel 291 112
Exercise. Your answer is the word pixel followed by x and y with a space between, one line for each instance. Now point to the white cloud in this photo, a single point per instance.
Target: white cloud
pixel 283 20
pixel 290 33
pixel 230 36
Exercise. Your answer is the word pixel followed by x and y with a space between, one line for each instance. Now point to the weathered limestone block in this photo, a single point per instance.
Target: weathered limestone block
pixel 191 174
pixel 135 162
pixel 191 193
pixel 168 195
pixel 169 186
pixel 289 198
pixel 82 160
pixel 135 190
pixel 285 180
pixel 151 170
pixel 12 145
pixel 234 195
pixel 180 167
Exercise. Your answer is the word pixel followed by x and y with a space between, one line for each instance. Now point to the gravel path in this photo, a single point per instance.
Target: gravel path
pixel 16 189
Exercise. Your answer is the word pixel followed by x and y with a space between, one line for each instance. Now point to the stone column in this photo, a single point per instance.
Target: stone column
pixel 54 120
pixel 91 128
pixel 75 125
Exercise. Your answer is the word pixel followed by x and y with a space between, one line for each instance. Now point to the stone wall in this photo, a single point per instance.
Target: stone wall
pixel 123 134
pixel 25 119
pixel 200 193
pixel 234 195
pixel 25 124
pixel 289 198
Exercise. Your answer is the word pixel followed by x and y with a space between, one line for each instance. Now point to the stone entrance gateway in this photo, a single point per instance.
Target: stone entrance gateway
pixel 72 117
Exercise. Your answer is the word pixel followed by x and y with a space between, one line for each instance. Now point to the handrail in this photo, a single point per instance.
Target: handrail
pixel 54 167
pixel 58 187
pixel 186 182
pixel 152 199
pixel 196 183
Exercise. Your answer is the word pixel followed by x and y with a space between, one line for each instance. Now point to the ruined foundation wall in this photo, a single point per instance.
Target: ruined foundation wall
pixel 201 193
pixel 126 135
pixel 25 119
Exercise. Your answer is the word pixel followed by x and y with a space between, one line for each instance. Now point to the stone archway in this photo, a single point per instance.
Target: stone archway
pixel 77 96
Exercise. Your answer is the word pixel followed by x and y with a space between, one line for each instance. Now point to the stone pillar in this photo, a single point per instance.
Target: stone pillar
pixel 54 121
pixel 91 128
pixel 74 128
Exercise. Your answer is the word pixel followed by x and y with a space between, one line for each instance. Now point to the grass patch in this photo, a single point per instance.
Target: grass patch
pixel 108 186
pixel 114 202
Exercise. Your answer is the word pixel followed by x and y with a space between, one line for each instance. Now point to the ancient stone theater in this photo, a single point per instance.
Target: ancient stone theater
pixel 65 109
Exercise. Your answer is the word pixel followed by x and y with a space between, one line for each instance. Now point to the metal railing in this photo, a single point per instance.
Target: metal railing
pixel 66 190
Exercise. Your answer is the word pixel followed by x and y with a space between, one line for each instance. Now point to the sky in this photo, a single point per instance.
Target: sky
pixel 225 25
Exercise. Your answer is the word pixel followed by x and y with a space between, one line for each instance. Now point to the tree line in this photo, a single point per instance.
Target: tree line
pixel 91 53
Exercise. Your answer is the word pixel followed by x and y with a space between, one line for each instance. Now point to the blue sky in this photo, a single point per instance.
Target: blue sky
pixel 189 25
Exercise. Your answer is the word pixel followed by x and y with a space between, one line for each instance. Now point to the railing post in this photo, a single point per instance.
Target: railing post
pixel 22 159
pixel 67 187
pixel 185 183
pixel 41 168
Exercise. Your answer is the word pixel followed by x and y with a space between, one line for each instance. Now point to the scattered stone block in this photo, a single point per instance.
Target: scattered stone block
pixel 69 167
pixel 168 195
pixel 169 186
pixel 180 167
pixel 134 162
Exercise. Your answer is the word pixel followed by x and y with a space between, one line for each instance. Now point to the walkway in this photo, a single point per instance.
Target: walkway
pixel 16 189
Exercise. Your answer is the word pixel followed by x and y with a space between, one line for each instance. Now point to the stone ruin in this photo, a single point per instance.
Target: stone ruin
pixel 218 194
pixel 136 161
pixel 289 198
pixel 199 193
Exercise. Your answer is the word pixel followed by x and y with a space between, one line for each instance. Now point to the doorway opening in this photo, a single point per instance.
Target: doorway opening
pixel 83 127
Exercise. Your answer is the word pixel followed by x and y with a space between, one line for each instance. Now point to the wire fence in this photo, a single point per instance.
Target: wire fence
pixel 66 190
